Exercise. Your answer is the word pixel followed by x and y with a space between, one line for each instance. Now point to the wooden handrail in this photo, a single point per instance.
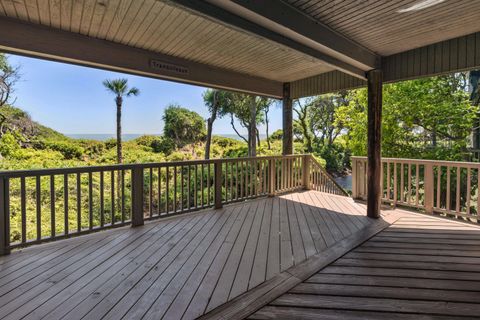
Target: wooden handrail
pixel 446 187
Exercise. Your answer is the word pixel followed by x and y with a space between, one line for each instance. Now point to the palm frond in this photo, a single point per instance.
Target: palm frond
pixel 133 92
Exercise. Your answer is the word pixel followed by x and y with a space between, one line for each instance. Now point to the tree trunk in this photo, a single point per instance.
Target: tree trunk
pixel 119 130
pixel 209 137
pixel 434 137
pixel 258 137
pixel 266 129
pixel 232 122
pixel 252 128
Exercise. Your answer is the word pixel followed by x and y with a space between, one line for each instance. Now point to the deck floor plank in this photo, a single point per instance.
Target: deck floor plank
pixel 420 267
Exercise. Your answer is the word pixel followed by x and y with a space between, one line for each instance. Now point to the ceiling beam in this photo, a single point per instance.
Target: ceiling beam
pixel 52 44
pixel 225 17
pixel 288 21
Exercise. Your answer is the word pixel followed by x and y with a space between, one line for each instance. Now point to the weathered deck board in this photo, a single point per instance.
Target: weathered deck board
pixel 179 267
pixel 418 268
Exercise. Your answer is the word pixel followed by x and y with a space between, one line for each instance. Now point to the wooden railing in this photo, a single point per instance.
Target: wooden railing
pixel 446 187
pixel 50 204
pixel 320 180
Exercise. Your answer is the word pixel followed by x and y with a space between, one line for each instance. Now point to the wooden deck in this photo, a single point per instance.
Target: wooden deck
pixel 184 266
pixel 418 268
pixel 255 255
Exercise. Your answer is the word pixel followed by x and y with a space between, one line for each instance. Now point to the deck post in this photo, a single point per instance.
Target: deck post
pixel 4 216
pixel 306 171
pixel 137 196
pixel 429 187
pixel 355 179
pixel 271 174
pixel 217 185
pixel 287 120
pixel 374 78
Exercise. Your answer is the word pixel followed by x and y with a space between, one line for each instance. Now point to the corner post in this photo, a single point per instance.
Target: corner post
pixel 355 179
pixel 287 114
pixel 374 79
pixel 429 187
pixel 271 174
pixel 4 216
pixel 306 171
pixel 137 196
pixel 217 168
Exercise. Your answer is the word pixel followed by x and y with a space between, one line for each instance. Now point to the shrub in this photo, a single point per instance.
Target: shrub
pixel 8 145
pixel 163 144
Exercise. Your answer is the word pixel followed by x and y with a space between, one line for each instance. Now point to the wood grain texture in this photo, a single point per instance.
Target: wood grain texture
pixel 181 266
pixel 391 277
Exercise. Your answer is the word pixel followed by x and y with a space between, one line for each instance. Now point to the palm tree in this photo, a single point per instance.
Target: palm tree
pixel 120 89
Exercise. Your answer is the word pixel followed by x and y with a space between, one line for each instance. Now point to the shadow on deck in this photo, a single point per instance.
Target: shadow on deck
pixel 232 262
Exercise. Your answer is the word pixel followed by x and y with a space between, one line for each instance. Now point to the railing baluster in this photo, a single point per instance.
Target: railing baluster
pixel 123 196
pixel 195 201
pixel 209 201
pixel 90 201
pixel 112 197
pixel 23 205
pixel 167 185
pixel 174 188
pixel 38 198
pixel 102 201
pixel 159 203
pixel 417 185
pixel 402 183
pixel 79 202
pixel 439 177
pixel 65 203
pixel 150 192
pixel 469 190
pixel 52 206
pixel 457 200
pixel 201 185
pixel 448 189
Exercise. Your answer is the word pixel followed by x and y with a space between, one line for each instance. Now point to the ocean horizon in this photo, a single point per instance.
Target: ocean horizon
pixel 131 136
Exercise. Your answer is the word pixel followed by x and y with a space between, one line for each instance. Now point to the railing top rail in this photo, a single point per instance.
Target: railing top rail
pixel 87 169
pixel 424 161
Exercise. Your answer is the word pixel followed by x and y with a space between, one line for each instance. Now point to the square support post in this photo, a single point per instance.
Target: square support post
pixel 287 113
pixel 374 78
pixel 217 185
pixel 306 172
pixel 137 196
pixel 4 216
pixel 429 187
pixel 271 175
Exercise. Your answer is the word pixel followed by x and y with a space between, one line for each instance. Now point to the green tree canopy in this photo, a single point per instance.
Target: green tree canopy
pixel 427 118
pixel 183 126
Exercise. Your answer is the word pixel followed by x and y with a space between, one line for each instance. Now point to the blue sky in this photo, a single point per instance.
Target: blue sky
pixel 71 99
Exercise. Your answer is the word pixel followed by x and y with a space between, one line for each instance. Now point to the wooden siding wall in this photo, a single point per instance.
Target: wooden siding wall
pixel 324 83
pixel 453 55
pixel 448 56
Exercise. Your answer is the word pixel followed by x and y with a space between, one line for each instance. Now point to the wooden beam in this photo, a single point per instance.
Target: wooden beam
pixel 374 142
pixel 225 17
pixel 287 120
pixel 324 83
pixel 281 17
pixel 52 44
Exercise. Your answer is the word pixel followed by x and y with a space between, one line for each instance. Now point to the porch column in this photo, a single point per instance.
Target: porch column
pixel 287 120
pixel 374 78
